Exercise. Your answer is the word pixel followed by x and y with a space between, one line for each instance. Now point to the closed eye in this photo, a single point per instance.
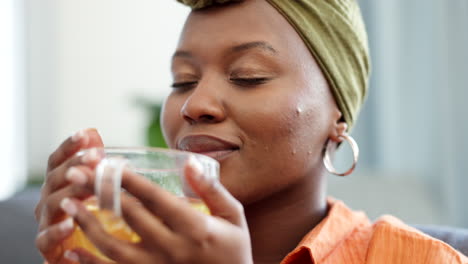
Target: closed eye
pixel 249 81
pixel 184 85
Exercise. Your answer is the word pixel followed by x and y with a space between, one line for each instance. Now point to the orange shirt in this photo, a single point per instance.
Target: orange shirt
pixel 346 236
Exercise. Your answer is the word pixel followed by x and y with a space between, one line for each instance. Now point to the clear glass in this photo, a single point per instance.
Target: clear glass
pixel 164 167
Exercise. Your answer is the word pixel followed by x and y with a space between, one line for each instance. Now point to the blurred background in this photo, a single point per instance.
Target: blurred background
pixel 68 65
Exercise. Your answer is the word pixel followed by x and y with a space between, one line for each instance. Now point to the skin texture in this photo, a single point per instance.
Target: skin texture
pixel 241 74
pixel 281 124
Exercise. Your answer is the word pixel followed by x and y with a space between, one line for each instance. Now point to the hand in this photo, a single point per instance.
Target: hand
pixel 171 231
pixel 62 169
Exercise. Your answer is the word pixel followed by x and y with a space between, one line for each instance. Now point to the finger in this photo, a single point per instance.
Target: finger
pixel 52 212
pixel 150 228
pixel 82 139
pixel 152 231
pixel 158 204
pixel 48 240
pixel 67 149
pixel 220 202
pixel 116 249
pixel 62 175
pixel 82 256
pixel 63 260
pixel 178 215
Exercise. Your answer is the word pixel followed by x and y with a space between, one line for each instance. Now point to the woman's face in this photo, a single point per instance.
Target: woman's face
pixel 248 93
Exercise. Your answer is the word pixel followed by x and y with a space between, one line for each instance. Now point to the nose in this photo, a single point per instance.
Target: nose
pixel 204 105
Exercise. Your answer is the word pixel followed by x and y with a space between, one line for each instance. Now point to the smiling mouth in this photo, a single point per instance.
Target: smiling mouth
pixel 213 147
pixel 219 154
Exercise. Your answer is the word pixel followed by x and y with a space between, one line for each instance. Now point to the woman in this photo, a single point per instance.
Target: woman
pixel 267 88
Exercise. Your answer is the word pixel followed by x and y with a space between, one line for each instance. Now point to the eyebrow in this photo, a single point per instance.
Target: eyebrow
pixel 252 45
pixel 239 48
pixel 183 54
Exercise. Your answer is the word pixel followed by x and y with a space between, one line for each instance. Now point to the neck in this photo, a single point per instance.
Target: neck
pixel 278 223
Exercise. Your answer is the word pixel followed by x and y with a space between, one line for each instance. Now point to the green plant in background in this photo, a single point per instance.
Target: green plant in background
pixel 154 133
pixel 154 136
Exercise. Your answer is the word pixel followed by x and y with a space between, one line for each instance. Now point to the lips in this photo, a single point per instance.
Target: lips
pixel 211 146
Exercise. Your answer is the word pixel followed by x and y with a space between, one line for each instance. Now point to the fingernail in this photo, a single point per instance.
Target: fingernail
pixel 68 207
pixel 96 130
pixel 66 225
pixel 70 255
pixel 43 232
pixel 197 167
pixel 76 176
pixel 90 156
pixel 77 136
pixel 80 135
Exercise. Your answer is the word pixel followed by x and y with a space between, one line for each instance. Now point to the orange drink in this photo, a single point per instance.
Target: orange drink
pixel 113 225
pixel 163 167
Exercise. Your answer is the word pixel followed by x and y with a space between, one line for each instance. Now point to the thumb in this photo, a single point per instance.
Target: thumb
pixel 220 202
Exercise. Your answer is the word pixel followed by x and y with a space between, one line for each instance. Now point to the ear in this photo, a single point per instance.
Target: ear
pixel 338 129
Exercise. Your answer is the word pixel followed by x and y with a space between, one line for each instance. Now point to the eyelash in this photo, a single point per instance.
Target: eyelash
pixel 238 81
pixel 184 85
pixel 249 81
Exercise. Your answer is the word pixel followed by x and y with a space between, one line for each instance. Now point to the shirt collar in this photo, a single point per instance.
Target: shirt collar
pixel 333 229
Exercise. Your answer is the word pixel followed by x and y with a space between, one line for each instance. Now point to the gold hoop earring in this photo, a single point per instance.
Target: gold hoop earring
pixel 327 160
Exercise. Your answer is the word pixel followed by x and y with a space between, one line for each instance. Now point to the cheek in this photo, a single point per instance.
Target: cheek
pixel 290 126
pixel 292 137
pixel 284 142
pixel 267 157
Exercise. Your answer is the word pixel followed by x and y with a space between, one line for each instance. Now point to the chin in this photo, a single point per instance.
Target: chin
pixel 237 188
pixel 244 191
pixel 246 185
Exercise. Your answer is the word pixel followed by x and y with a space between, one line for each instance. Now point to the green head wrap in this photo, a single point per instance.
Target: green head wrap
pixel 334 32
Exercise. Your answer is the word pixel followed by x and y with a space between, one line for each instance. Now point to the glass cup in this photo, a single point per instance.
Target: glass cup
pixel 164 167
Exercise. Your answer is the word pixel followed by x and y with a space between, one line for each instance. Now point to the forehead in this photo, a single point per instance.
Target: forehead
pixel 234 24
